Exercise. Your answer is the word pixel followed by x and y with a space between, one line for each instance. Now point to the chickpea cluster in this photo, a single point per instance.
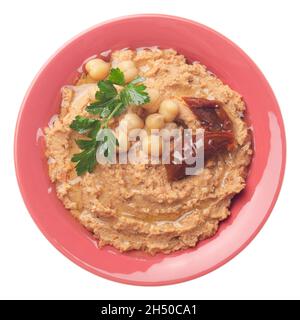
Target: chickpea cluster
pixel 160 115
pixel 98 69
pixel 163 117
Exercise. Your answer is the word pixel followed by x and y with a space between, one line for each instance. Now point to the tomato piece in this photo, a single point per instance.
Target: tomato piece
pixel 215 142
pixel 218 134
pixel 210 113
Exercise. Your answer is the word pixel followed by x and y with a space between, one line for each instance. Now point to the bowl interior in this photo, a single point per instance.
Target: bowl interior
pixel 249 211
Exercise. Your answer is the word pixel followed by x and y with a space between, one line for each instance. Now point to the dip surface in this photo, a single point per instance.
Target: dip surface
pixel 135 206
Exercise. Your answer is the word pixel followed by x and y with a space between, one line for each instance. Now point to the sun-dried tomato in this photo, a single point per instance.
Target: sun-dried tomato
pixel 218 134
pixel 210 113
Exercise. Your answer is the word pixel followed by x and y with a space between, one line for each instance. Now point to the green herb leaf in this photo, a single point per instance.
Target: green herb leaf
pixel 86 161
pixel 94 107
pixel 116 76
pixel 134 94
pixel 86 144
pixel 108 108
pixel 107 91
pixel 119 108
pixel 109 103
pixel 84 125
pixel 93 133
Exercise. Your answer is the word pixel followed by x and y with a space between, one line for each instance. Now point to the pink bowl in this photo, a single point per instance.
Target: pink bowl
pixel 249 211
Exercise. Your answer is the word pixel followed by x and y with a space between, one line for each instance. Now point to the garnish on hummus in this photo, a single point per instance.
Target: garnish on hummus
pixel 118 107
pixel 109 103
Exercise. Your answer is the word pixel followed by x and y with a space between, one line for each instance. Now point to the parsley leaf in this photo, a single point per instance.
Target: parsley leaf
pixel 86 144
pixel 86 161
pixel 84 125
pixel 116 76
pixel 109 103
pixel 108 108
pixel 107 91
pixel 134 94
pixel 95 107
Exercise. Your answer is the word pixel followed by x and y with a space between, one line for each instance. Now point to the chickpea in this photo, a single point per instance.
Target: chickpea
pixel 167 130
pixel 131 121
pixel 152 106
pixel 126 64
pixel 169 109
pixel 129 69
pixel 97 69
pixel 155 121
pixel 171 126
pixel 152 145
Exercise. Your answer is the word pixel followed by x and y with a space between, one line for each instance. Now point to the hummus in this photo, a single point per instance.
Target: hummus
pixel 135 206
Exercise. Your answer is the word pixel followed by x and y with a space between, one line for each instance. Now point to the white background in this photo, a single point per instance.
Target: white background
pixel 31 31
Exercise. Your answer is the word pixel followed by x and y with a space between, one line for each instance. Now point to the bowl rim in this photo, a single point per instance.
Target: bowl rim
pixel 161 282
